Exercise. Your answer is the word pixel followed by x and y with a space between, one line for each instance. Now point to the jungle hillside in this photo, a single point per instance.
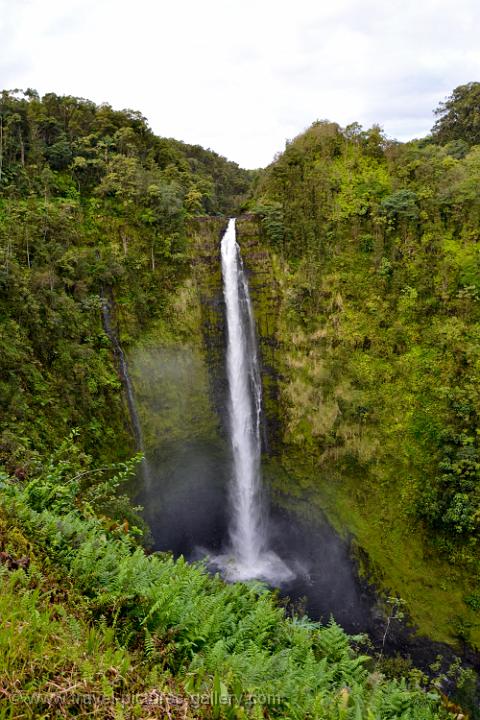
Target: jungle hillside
pixel 373 250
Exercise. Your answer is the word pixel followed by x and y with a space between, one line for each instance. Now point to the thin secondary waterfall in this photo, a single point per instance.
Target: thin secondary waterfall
pixel 112 334
pixel 249 556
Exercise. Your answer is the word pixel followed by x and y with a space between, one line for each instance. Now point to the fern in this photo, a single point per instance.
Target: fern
pixel 210 634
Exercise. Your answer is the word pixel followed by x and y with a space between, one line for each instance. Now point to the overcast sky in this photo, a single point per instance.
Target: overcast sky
pixel 242 76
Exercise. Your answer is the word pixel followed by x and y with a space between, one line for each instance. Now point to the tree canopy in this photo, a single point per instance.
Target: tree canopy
pixel 458 117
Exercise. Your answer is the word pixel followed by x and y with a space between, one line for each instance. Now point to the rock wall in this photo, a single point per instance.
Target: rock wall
pixel 177 366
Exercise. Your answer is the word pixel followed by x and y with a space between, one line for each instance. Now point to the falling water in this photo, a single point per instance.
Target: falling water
pixel 249 556
pixel 126 381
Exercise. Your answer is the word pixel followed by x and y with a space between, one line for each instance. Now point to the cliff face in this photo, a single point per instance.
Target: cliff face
pixel 177 364
pixel 265 295
pixel 177 372
pixel 334 446
pixel 322 440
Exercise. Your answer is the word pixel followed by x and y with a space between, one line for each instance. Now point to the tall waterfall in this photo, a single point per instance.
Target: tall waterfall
pixel 249 557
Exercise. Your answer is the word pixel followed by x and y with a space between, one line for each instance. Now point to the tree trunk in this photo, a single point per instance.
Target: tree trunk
pixel 22 150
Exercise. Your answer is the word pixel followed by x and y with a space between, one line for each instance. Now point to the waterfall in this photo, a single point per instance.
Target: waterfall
pixel 247 533
pixel 249 556
pixel 124 374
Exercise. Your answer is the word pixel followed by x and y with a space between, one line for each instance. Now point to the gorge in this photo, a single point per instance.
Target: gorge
pixel 333 364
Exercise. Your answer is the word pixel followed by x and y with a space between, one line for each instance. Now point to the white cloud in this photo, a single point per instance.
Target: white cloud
pixel 241 76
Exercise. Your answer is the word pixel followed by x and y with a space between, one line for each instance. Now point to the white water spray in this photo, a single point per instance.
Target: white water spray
pixel 249 557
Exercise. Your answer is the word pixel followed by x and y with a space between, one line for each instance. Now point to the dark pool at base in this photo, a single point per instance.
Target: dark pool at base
pixel 326 581
pixel 185 505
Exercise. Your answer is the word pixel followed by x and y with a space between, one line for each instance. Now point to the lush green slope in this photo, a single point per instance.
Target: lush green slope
pixel 162 627
pixel 55 661
pixel 375 254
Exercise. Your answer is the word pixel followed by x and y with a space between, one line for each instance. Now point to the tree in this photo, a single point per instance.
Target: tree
pixel 459 116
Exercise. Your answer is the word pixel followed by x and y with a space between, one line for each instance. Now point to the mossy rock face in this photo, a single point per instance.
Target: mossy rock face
pixel 177 367
pixel 172 391
pixel 265 296
pixel 207 277
pixel 324 445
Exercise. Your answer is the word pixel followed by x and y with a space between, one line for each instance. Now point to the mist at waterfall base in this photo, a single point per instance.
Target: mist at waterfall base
pixel 187 509
pixel 197 506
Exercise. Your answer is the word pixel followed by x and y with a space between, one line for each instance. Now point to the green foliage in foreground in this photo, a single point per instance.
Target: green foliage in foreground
pixel 187 628
pixel 51 657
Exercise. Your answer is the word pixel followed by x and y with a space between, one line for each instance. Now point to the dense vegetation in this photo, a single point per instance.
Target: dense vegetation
pixel 459 118
pixel 377 248
pixel 374 244
pixel 92 204
pixel 167 639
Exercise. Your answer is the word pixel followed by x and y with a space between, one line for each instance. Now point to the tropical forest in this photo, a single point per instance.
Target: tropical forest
pixel 239 420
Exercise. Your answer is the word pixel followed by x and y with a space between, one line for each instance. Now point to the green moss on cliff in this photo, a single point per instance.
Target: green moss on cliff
pixel 170 374
pixel 357 399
